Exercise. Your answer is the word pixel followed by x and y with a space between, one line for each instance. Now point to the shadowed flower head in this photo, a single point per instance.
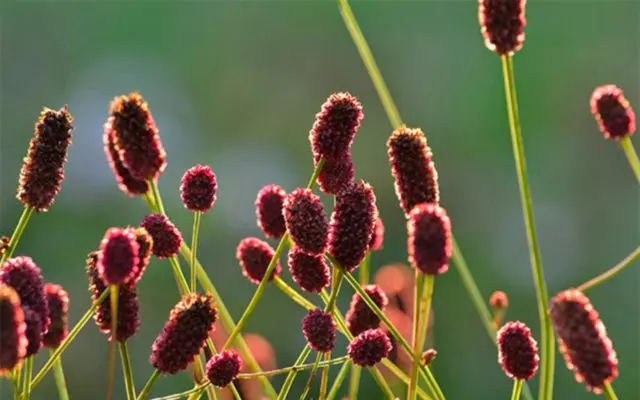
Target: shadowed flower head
pixel 502 24
pixel 306 221
pixel 499 300
pixel 360 317
pixel 145 249
pixel 166 237
pixel 336 173
pixel 182 337
pixel 517 351
pixel 254 256
pixel 415 176
pixel 58 302
pixel 126 182
pixel 13 341
pixel 369 348
pixel 429 244
pixel 336 126
pixel 43 169
pixel 118 261
pixel 223 368
pixel 428 356
pixel 34 330
pixel 269 204
pixel 198 188
pixel 583 340
pixel 377 237
pixel 311 273
pixel 319 329
pixel 613 112
pixel 4 244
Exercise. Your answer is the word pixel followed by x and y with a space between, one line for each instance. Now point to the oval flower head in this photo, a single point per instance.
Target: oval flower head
pixel 223 368
pixel 13 341
pixel 517 351
pixel 269 204
pixel 198 188
pixel 502 24
pixel 360 317
pixel 613 112
pixel 429 242
pixel 369 348
pixel 319 329
pixel 167 239
pixel 336 126
pixel 126 182
pixel 306 221
pixel 254 256
pixel 118 261
pixel 58 302
pixel 311 273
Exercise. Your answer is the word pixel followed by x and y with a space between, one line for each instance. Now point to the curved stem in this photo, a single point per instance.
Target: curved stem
pixel 631 154
pixel 26 215
pixel 342 374
pixel 127 371
pixel 28 370
pixel 61 383
pixel 611 394
pixel 517 389
pixel 147 386
pixel 605 276
pixel 194 247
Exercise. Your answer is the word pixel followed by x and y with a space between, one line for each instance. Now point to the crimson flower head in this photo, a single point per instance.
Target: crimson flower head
pixel 13 341
pixel 359 318
pixel 306 221
pixel 517 351
pixel 613 112
pixel 43 169
pixel 369 348
pixel 502 24
pixel 319 329
pixel 429 241
pixel 198 188
pixel 167 239
pixel 336 126
pixel 118 261
pixel 269 204
pixel 336 173
pixel 377 237
pixel 311 273
pixel 58 302
pixel 223 368
pixel 126 182
pixel 254 256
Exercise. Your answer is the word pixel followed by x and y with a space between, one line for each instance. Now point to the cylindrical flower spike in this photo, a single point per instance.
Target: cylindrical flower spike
pixel 377 237
pixel 34 330
pixel 613 112
pixel 118 261
pixel 502 24
pixel 517 351
pixel 306 221
pixel 415 176
pixel 429 244
pixel 13 340
pixel 254 256
pixel 58 302
pixel 43 169
pixel 319 329
pixel 359 318
pixel 269 204
pixel 126 182
pixel 336 173
pixel 223 368
pixel 145 249
pixel 198 188
pixel 336 126
pixel 166 237
pixel 311 273
pixel 583 340
pixel 369 348
pixel 185 333
pixel 352 223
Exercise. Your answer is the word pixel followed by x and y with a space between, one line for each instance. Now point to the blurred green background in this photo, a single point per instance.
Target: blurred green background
pixel 237 84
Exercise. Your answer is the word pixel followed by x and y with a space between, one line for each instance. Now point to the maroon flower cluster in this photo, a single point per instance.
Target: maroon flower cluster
pixel 145 249
pixel 269 204
pixel 58 303
pixel 311 273
pixel 517 351
pixel 369 348
pixel 118 261
pixel 43 169
pixel 306 221
pixel 360 317
pixel 613 112
pixel 336 126
pixel 429 241
pixel 377 237
pixel 319 329
pixel 223 368
pixel 126 182
pixel 502 25
pixel 167 239
pixel 254 256
pixel 13 341
pixel 198 188
pixel 336 173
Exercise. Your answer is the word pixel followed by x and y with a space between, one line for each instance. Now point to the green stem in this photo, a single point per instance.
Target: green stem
pixel 185 394
pixel 26 215
pixel 354 382
pixel 182 283
pixel 127 371
pixel 114 334
pixel 156 197
pixel 611 394
pixel 363 269
pixel 307 386
pixel 382 383
pixel 194 248
pixel 394 369
pixel 147 386
pixel 16 374
pixel 28 370
pixel 58 374
pixel 292 294
pixel 417 294
pixel 548 346
pixel 517 389
pixel 284 391
pixel 424 294
pixel 337 382
pixel 605 276
pixel 294 368
pixel 631 154
pixel 324 381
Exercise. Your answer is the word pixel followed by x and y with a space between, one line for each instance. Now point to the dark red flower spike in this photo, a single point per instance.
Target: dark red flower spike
pixel 306 221
pixel 429 243
pixel 166 237
pixel 126 182
pixel 517 351
pixel 223 368
pixel 336 126
pixel 198 188
pixel 359 318
pixel 58 302
pixel 319 329
pixel 254 256
pixel 613 112
pixel 118 261
pixel 269 204
pixel 336 173
pixel 311 273
pixel 502 24
pixel 369 348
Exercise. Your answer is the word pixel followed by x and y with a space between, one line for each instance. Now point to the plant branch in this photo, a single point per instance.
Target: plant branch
pixel 605 276
pixel 26 215
pixel 631 154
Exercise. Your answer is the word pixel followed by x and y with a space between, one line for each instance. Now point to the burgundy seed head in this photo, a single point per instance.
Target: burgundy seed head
pixel 126 182
pixel 183 336
pixel 377 238
pixel 429 244
pixel 13 341
pixel 145 249
pixel 369 348
pixel 352 224
pixel 415 176
pixel 198 188
pixel 58 302
pixel 336 126
pixel 118 261
pixel 223 368
pixel 428 356
pixel 360 317
pixel 502 24
pixel 33 332
pixel 166 237
pixel 311 273
pixel 254 256
pixel 319 329
pixel 499 300
pixel 517 351
pixel 583 340
pixel 269 204
pixel 136 137
pixel 4 244
pixel 43 169
pixel 336 173
pixel 306 221
pixel 613 112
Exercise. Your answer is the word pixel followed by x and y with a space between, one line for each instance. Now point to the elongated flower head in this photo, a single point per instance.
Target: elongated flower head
pixel 306 221
pixel 336 173
pixel 377 237
pixel 166 237
pixel 613 112
pixel 136 137
pixel 145 249
pixel 499 300
pixel 118 261
pixel 352 224
pixel 319 329
pixel 415 176
pixel 254 256
pixel 311 273
pixel 269 204
pixel 126 182
pixel 369 348
pixel 223 368
pixel 4 244
pixel 43 169
pixel 183 336
pixel 583 340
pixel 336 126
pixel 429 244
pixel 360 317
pixel 13 340
pixel 502 24
pixel 428 356
pixel 58 302
pixel 517 351
pixel 198 188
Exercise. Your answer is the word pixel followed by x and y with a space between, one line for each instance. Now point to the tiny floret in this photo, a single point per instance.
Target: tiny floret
pixel 319 329
pixel 269 204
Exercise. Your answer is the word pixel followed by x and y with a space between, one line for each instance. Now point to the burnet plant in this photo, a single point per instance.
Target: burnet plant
pixel 323 249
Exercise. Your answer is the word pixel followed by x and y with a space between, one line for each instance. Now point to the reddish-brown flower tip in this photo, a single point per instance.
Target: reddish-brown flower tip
pixel 499 300
pixel 517 351
pixel 254 256
pixel 319 329
pixel 306 221
pixel 415 176
pixel 4 244
pixel 136 137
pixel 502 24
pixel 428 356
pixel 269 205
pixel 223 368
pixel 198 188
pixel 118 261
pixel 583 340
pixel 369 348
pixel 43 169
pixel 336 173
pixel 183 336
pixel 336 126
pixel 58 302
pixel 613 112
pixel 377 237
pixel 126 182
pixel 352 224
pixel 13 341
pixel 429 244
pixel 145 249
pixel 360 317
pixel 311 273
pixel 166 237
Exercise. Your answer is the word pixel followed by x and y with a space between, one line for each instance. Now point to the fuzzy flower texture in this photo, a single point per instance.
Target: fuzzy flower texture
pixel 319 329
pixel 613 112
pixel 166 237
pixel 254 256
pixel 429 242
pixel 223 368
pixel 502 25
pixel 517 351
pixel 198 188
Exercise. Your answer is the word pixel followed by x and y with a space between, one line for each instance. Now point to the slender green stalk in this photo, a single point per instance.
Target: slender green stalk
pixel 307 386
pixel 61 383
pixel 112 344
pixel 363 269
pixel 354 382
pixel 517 389
pixel 337 382
pixel 15 377
pixel 386 389
pixel 415 340
pixel 324 381
pixel 631 154
pixel 292 294
pixel 194 248
pixel 185 394
pixel 548 346
pixel 424 294
pixel 608 390
pixel 182 283
pixel 26 215
pixel 157 199
pixel 605 276
pixel 394 369
pixel 28 370
pixel 294 368
pixel 127 371
pixel 147 386
pixel 284 391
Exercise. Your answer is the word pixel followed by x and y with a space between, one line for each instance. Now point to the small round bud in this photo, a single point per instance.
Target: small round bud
pixel 319 329
pixel 306 221
pixel 429 243
pixel 269 204
pixel 223 368
pixel 254 256
pixel 167 239
pixel 198 188
pixel 517 351
pixel 369 348
pixel 311 273
pixel 613 112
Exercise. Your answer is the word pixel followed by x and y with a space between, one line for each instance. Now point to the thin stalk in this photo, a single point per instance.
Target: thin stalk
pixel 354 382
pixel 631 154
pixel 112 344
pixel 605 276
pixel 417 294
pixel 284 391
pixel 182 283
pixel 28 370
pixel 548 345
pixel 337 382
pixel 386 389
pixel 185 394
pixel 363 269
pixel 156 197
pixel 127 371
pixel 324 381
pixel 422 320
pixel 294 368
pixel 15 377
pixel 608 390
pixel 61 383
pixel 292 294
pixel 194 248
pixel 517 389
pixel 394 369
pixel 307 386
pixel 26 215
pixel 147 386
pixel 198 365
